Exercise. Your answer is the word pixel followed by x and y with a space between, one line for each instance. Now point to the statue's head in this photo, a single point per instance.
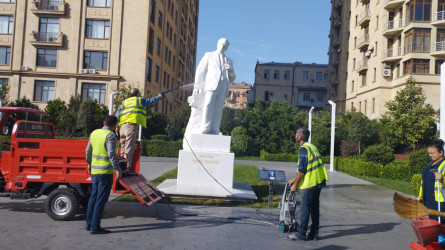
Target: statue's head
pixel 222 45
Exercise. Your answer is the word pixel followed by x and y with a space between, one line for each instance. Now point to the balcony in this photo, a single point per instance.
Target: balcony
pixel 393 54
pixel 337 22
pixel 52 39
pixel 393 4
pixel 393 28
pixel 48 7
pixel 338 4
pixel 362 65
pixel 438 49
pixel 335 59
pixel 417 48
pixel 438 19
pixel 364 18
pixel 363 41
pixel 336 42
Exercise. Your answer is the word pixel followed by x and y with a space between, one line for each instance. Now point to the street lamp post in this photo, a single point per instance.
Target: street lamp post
pixel 310 123
pixel 334 108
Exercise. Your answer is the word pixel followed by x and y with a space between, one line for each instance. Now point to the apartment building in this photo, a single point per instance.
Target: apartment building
pixel 238 94
pixel 389 41
pixel 338 52
pixel 299 84
pixel 61 48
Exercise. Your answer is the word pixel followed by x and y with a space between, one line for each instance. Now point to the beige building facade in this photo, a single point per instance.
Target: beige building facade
pixel 88 48
pixel 390 41
pixel 299 84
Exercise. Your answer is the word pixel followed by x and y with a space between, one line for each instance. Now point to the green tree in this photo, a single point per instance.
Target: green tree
pixel 176 123
pixel 241 142
pixel 54 110
pixel 90 116
pixel 68 119
pixel 124 93
pixel 156 124
pixel 227 120
pixel 362 130
pixel 408 119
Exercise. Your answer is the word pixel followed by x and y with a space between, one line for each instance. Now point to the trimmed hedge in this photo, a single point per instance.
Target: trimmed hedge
pixel 358 167
pixel 160 148
pixel 397 170
pixel 415 182
pixel 278 157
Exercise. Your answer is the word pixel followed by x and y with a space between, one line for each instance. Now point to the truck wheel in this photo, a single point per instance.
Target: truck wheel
pixel 62 204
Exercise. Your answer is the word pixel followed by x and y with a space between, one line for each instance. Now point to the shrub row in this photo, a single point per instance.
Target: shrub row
pixel 161 148
pixel 278 157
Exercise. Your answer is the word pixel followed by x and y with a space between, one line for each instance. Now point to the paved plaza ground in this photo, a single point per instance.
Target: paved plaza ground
pixel 354 215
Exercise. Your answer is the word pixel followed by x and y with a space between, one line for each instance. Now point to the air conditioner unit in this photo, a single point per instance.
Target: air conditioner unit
pixel 92 71
pixel 386 66
pixel 386 72
pixel 24 68
pixel 84 71
pixel 368 53
pixel 370 48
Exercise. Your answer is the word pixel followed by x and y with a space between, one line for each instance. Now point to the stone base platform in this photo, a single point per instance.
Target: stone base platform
pixel 239 191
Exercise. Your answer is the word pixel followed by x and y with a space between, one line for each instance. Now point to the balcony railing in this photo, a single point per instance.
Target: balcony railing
pixel 439 16
pixel 48 5
pixel 46 36
pixel 393 52
pixel 362 40
pixel 418 47
pixel 337 3
pixel 361 64
pixel 439 46
pixel 363 16
pixel 337 20
pixel 394 24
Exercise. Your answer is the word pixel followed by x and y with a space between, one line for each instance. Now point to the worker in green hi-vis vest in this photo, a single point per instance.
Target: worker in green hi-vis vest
pixel 101 155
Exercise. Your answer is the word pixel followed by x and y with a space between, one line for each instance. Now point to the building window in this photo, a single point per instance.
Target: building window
pixel 416 66
pixel 5 55
pixel 148 69
pixel 98 29
pixel 320 97
pixel 266 96
pixel 6 24
pixel 99 3
pixel 237 94
pixel 151 41
pixel 437 68
pixel 352 107
pixel 373 105
pixel 276 74
pixel 375 75
pixel 157 73
pixel 46 57
pixel 95 60
pixel 318 76
pixel 94 91
pixel 325 76
pixel 366 104
pixel 418 40
pixel 237 105
pixel 7 1
pixel 306 96
pixel 305 75
pixel 286 75
pixel 166 54
pixel 359 106
pixel 353 64
pixel 152 11
pixel 48 29
pixel 419 10
pixel 160 19
pixel 266 74
pixel 158 47
pixel 285 97
pixel 364 76
pixel 352 86
pixel 43 91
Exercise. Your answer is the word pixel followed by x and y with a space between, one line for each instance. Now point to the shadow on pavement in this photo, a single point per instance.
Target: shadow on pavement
pixel 360 229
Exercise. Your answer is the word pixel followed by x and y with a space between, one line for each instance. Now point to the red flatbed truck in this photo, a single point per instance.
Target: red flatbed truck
pixel 38 164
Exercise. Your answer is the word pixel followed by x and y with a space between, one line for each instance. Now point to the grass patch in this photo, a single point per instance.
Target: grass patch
pixel 401 186
pixel 242 173
pixel 249 158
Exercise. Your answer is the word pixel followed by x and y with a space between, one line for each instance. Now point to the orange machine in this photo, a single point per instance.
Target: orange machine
pixel 37 164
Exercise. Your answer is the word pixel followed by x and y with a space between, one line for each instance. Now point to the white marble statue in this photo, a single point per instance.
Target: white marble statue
pixel 212 78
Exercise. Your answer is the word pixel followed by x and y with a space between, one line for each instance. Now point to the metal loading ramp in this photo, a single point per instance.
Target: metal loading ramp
pixel 142 189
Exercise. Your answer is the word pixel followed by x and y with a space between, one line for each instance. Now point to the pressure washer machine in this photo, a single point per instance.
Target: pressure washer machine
pixel 288 206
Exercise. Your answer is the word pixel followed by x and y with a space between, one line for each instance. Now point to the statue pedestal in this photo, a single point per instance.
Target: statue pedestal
pixel 210 155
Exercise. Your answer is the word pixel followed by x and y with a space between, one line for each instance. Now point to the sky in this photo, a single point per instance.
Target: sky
pixel 281 31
